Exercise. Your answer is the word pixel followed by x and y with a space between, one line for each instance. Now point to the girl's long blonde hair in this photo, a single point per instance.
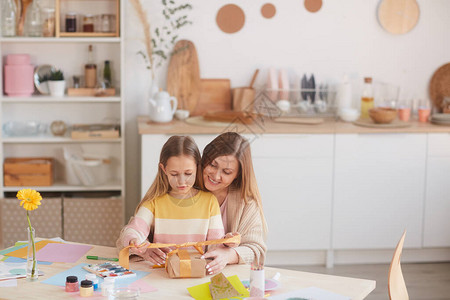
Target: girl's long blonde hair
pixel 232 143
pixel 175 146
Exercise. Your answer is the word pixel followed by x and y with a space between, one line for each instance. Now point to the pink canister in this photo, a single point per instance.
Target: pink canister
pixel 18 75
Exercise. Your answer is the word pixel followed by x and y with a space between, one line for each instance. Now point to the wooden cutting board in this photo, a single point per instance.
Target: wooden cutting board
pixel 398 16
pixel 183 75
pixel 304 121
pixel 215 95
pixel 230 116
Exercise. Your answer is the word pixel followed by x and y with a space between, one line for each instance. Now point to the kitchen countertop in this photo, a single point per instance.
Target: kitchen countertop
pixel 266 125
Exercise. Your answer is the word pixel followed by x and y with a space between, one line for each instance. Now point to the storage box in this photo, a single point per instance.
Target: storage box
pixel 28 171
pixel 95 131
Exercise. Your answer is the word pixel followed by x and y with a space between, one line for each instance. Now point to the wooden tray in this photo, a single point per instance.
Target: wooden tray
pixel 398 16
pixel 302 121
pixel 371 124
pixel 440 85
pixel 215 95
pixel 230 117
pixel 199 121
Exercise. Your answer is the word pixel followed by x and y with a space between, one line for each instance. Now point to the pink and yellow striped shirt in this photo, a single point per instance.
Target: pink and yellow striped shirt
pixel 198 221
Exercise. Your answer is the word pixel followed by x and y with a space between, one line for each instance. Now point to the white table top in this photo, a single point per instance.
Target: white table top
pixel 177 288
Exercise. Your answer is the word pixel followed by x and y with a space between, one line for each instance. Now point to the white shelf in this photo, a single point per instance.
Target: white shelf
pixel 51 140
pixel 60 40
pixel 65 99
pixel 62 187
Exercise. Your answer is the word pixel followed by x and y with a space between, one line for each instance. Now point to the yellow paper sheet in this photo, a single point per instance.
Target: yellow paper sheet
pixel 22 252
pixel 201 291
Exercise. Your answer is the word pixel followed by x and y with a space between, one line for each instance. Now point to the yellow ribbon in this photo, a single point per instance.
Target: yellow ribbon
pixel 124 255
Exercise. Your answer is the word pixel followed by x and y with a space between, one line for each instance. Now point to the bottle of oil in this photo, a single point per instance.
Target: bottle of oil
pixel 366 98
pixel 90 70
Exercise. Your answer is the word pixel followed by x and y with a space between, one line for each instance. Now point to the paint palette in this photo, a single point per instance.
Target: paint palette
pixel 109 269
pixel 269 284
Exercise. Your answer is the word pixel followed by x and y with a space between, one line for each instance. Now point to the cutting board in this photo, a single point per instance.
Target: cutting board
pixel 215 95
pixel 230 117
pixel 398 16
pixel 183 75
pixel 304 121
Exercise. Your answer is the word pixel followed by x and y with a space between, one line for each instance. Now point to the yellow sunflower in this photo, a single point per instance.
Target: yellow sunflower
pixel 30 199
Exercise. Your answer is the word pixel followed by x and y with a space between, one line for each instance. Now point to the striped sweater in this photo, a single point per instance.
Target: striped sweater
pixel 197 219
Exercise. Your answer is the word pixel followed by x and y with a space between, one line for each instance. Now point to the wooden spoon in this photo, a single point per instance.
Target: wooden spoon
pixel 254 78
pixel 25 4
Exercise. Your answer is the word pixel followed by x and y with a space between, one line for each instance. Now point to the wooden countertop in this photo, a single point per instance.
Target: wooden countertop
pixel 266 125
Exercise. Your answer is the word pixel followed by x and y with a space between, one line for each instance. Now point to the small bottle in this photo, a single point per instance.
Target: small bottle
pixel 48 26
pixel 366 98
pixel 108 284
pixel 86 289
pixel 90 70
pixel 71 284
pixel 93 278
pixel 107 74
pixel 8 17
pixel 88 23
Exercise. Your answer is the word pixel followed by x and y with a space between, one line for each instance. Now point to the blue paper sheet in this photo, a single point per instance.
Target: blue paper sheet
pixel 13 259
pixel 60 278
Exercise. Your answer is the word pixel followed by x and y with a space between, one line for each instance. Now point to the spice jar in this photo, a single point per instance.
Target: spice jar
pixel 88 23
pixel 106 23
pixel 71 22
pixel 48 26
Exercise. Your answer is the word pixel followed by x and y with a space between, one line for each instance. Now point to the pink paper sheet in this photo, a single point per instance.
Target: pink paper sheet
pixel 63 253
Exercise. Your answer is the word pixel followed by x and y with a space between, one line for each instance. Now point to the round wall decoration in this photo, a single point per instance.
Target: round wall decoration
pixel 268 10
pixel 230 18
pixel 313 5
pixel 440 86
pixel 398 16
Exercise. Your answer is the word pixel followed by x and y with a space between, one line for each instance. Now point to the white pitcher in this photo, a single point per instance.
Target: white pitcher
pixel 162 107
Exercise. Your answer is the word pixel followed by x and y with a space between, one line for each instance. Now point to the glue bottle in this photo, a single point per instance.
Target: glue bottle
pixel 107 285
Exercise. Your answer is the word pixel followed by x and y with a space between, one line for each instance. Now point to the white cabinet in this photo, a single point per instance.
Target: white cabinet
pixel 294 174
pixel 437 204
pixel 378 190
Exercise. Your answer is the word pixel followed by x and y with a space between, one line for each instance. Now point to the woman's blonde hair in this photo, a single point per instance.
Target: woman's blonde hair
pixel 232 143
pixel 175 146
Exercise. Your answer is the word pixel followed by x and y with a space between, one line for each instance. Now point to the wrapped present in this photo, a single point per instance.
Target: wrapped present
pixel 186 264
pixel 181 262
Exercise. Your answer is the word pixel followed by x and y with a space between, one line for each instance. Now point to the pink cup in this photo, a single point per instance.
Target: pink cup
pixel 424 113
pixel 404 114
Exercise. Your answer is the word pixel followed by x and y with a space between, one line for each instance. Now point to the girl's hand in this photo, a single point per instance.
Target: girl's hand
pixel 228 235
pixel 157 256
pixel 221 257
pixel 138 249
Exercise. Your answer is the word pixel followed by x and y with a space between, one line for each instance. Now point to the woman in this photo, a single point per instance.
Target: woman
pixel 228 173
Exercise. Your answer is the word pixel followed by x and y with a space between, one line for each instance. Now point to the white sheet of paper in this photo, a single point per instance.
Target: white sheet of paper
pixel 311 293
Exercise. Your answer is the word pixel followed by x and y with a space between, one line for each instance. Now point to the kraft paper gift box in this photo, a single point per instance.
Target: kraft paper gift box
pixel 186 264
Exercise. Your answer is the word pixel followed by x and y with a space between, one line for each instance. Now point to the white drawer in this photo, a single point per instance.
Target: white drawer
pixel 439 144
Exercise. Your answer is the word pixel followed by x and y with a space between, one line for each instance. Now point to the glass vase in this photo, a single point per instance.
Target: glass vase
pixel 32 269
pixel 8 17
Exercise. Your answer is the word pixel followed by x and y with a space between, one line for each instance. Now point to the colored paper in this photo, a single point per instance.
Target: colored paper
pixel 21 260
pixel 201 291
pixel 311 293
pixel 221 288
pixel 60 278
pixel 143 286
pixel 22 252
pixel 63 253
pixel 11 249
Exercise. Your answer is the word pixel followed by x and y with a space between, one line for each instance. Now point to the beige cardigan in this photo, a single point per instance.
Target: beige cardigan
pixel 245 218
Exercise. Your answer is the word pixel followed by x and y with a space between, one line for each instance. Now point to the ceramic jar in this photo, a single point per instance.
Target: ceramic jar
pixel 18 75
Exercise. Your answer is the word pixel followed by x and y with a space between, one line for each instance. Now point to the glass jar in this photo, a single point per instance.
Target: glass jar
pixel 8 17
pixel 48 26
pixel 71 22
pixel 106 23
pixel 88 23
pixel 33 20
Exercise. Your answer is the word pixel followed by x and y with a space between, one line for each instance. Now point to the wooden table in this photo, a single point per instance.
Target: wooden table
pixel 176 288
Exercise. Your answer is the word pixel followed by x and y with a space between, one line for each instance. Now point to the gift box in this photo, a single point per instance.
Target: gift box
pixel 186 264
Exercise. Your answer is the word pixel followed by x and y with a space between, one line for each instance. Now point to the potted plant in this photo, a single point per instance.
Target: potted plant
pixel 56 83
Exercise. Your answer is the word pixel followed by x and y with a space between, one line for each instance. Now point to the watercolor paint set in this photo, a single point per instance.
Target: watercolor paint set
pixel 109 269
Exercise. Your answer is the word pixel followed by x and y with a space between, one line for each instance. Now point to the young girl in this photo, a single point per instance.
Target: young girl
pixel 173 209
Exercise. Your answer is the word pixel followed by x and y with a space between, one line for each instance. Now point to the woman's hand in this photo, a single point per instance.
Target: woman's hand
pixel 138 249
pixel 221 257
pixel 229 235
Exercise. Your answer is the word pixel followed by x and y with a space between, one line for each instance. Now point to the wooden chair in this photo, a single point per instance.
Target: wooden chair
pixel 396 283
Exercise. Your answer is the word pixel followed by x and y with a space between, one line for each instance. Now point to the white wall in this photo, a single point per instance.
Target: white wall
pixel 343 37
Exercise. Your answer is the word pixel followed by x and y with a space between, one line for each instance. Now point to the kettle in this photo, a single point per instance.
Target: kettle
pixel 161 109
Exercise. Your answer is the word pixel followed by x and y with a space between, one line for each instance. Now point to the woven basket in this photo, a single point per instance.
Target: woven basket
pixel 382 115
